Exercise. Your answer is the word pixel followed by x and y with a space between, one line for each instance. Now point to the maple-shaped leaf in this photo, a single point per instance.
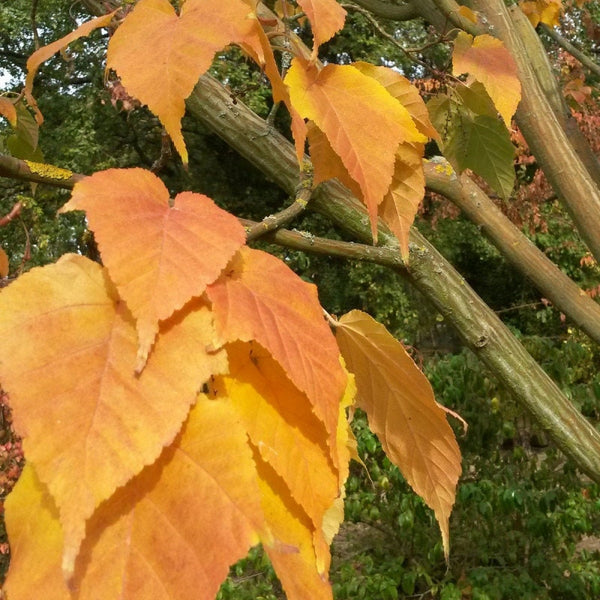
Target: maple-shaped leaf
pixel 3 263
pixel 401 203
pixel 282 427
pixel 8 111
pixel 363 122
pixel 259 298
pixel 159 55
pixel 487 60
pixel 159 256
pixel 45 52
pixel 174 530
pixel 89 425
pixel 402 412
pixel 326 19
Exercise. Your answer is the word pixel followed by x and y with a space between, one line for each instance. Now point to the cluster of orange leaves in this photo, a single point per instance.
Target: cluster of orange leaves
pixel 187 400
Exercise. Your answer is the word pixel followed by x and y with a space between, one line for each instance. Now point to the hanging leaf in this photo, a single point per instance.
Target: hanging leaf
pixel 363 123
pixel 177 527
pixel 487 60
pixel 23 143
pixel 478 142
pixel 326 19
pixel 403 413
pixel 171 51
pixel 158 256
pixel 89 424
pixel 282 427
pixel 43 54
pixel 400 205
pixel 259 298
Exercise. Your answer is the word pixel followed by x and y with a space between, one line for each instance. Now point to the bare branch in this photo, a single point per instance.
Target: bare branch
pixel 583 58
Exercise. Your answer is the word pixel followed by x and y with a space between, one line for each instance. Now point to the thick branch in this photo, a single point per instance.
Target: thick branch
pixel 37 172
pixel 515 247
pixel 548 141
pixel 385 10
pixel 478 326
pixel 552 91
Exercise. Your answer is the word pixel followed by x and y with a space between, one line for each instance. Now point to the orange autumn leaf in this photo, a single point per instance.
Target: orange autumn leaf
pixel 3 263
pixel 326 19
pixel 403 413
pixel 159 55
pixel 159 256
pixel 363 123
pixel 79 385
pixel 487 60
pixel 45 52
pixel 401 203
pixel 282 427
pixel 176 527
pixel 8 111
pixel 407 189
pixel 544 11
pixel 326 163
pixel 259 298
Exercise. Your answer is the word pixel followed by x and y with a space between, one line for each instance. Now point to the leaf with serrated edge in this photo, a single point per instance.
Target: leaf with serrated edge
pixel 486 59
pixel 362 121
pixel 158 256
pixel 405 92
pixel 281 425
pixel 401 203
pixel 45 52
pixel 160 55
pixel 68 348
pixel 402 412
pixel 301 568
pixel 482 144
pixel 176 527
pixel 259 298
pixel 326 19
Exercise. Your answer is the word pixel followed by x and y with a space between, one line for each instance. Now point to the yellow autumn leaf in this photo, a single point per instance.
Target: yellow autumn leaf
pixel 403 413
pixel 79 385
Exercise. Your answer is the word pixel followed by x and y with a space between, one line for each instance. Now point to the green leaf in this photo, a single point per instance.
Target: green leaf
pixel 473 137
pixel 482 144
pixel 23 143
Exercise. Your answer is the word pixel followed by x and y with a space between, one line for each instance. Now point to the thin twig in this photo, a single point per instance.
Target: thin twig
pixel 388 36
pixel 15 212
pixel 584 59
pixel 278 220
